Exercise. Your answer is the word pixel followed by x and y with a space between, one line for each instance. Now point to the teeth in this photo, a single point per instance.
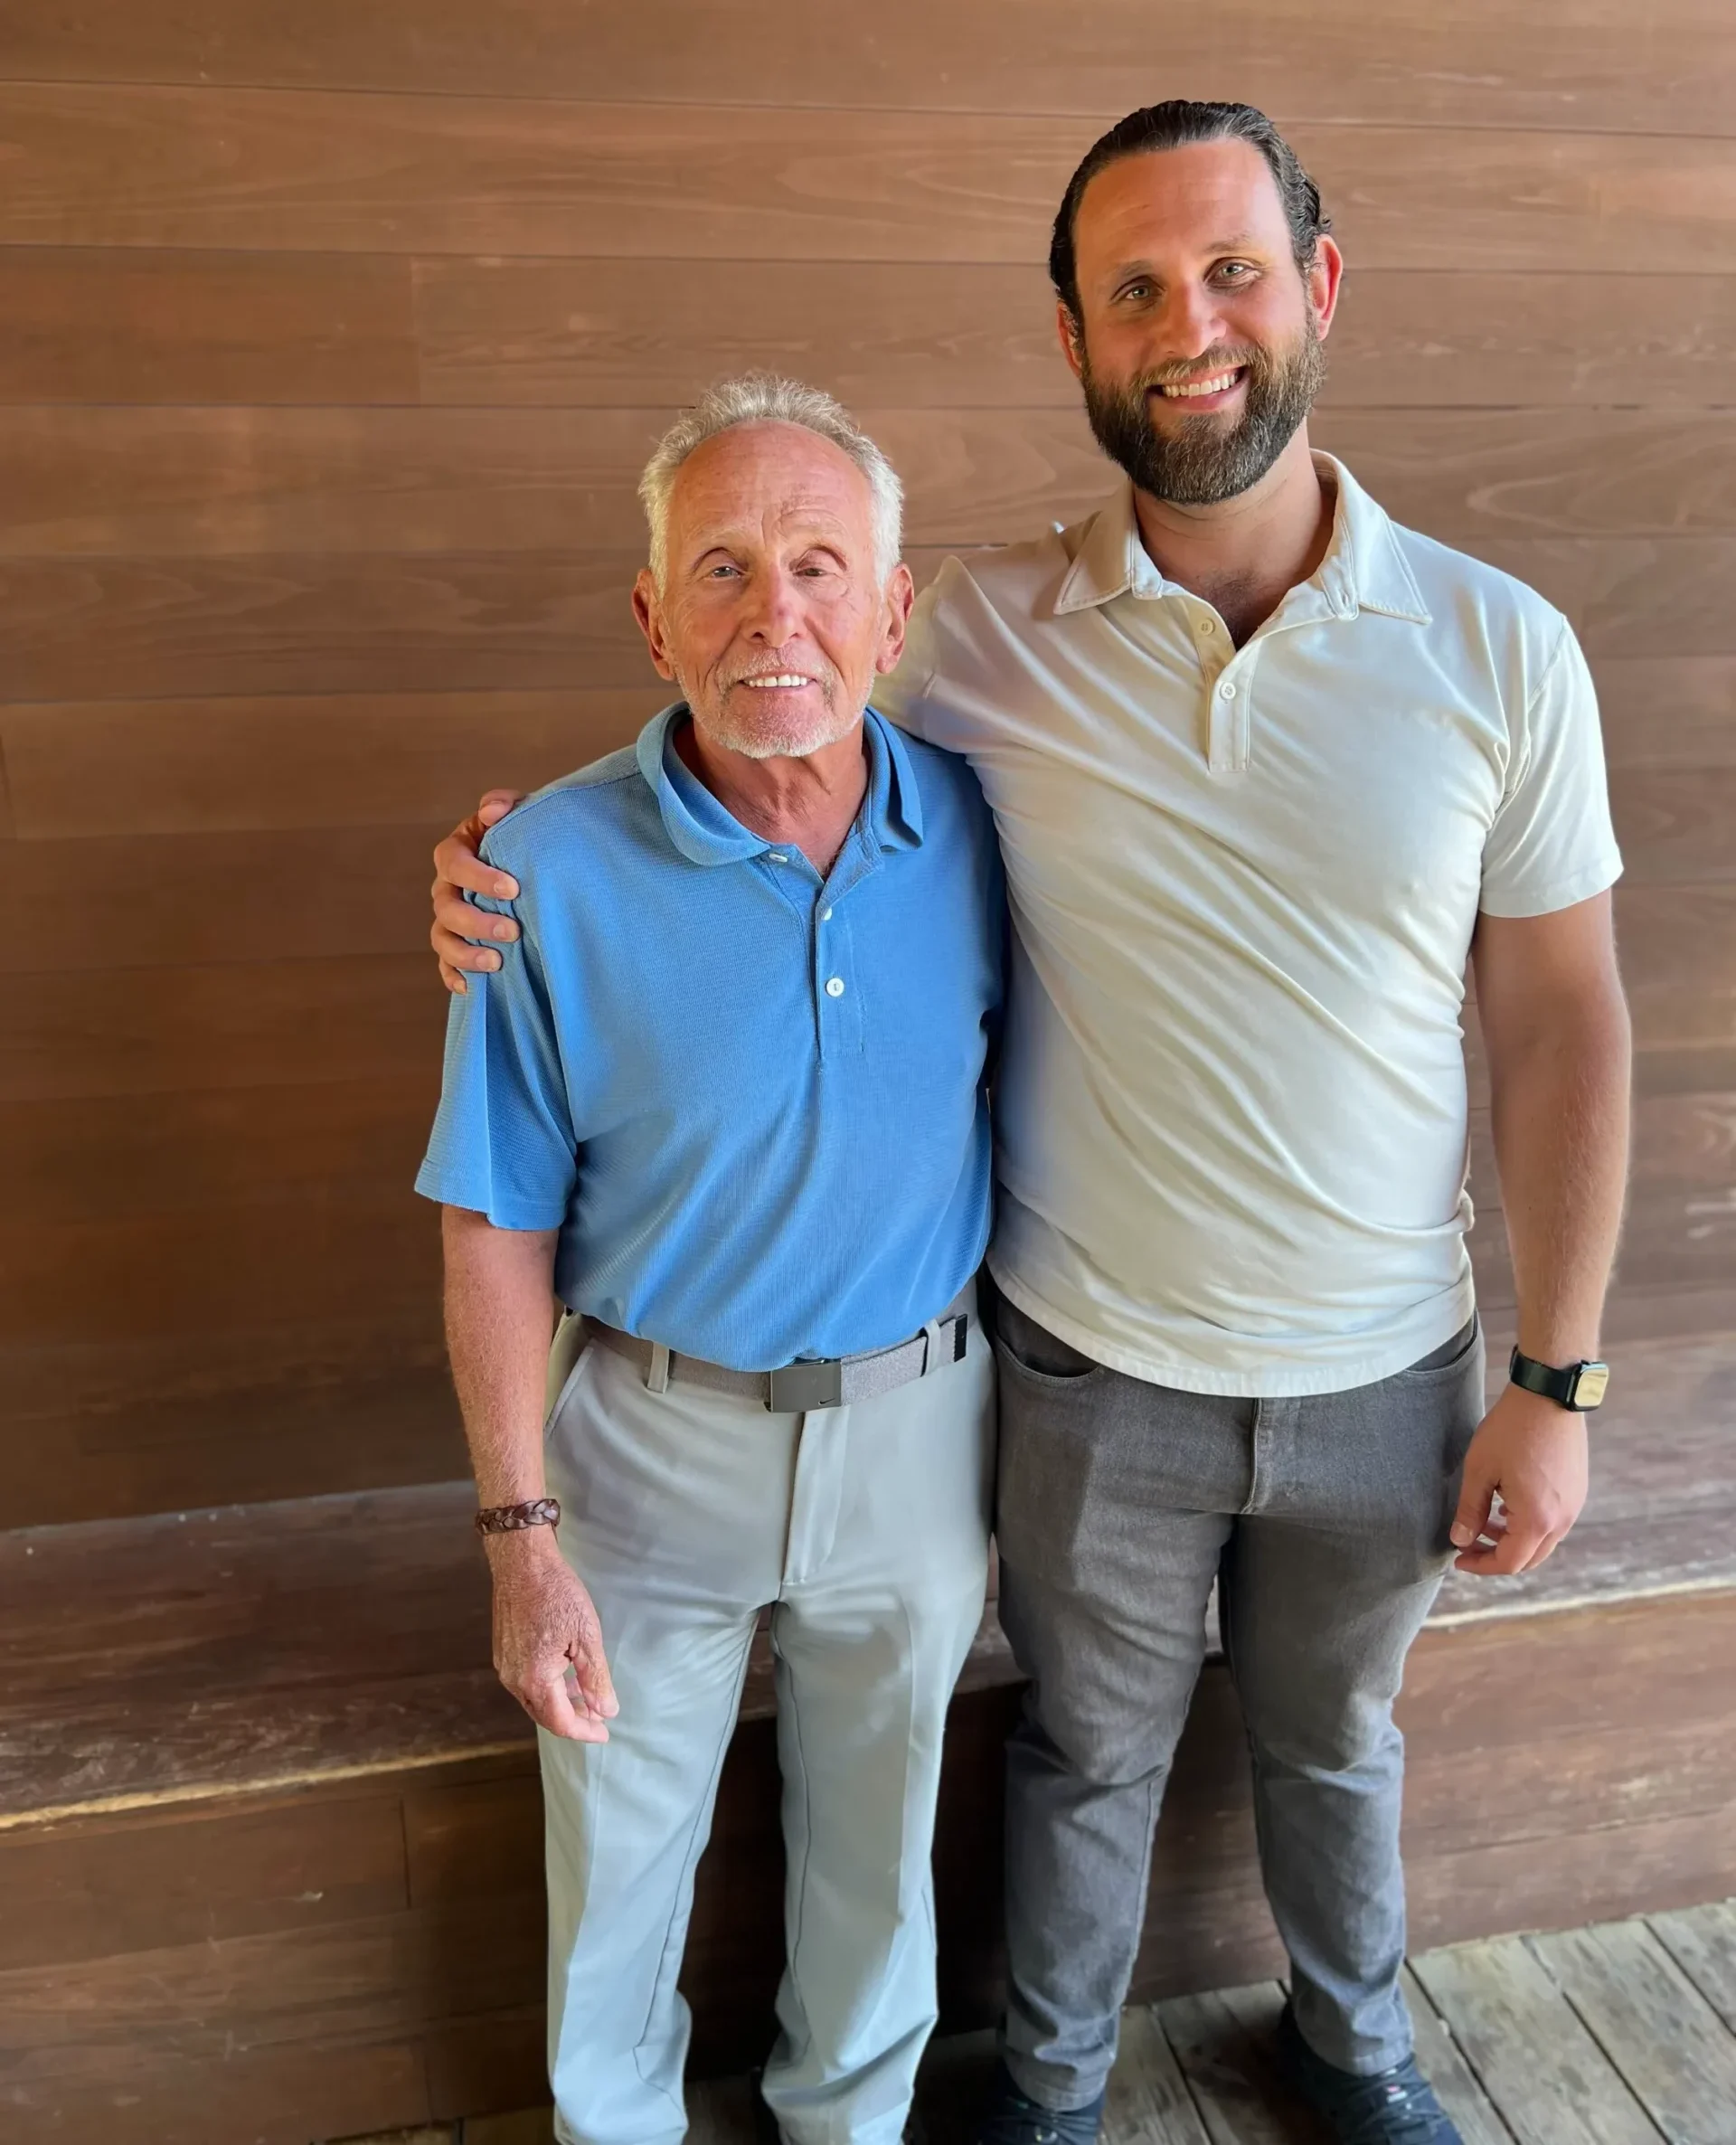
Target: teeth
pixel 1202 387
pixel 784 678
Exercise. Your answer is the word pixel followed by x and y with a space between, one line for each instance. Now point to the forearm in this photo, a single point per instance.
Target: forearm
pixel 498 1321
pixel 1560 1118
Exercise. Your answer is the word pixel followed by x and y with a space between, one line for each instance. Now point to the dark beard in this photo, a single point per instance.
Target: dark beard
pixel 1196 461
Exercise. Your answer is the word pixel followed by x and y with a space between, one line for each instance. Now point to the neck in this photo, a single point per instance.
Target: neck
pixel 1244 554
pixel 809 804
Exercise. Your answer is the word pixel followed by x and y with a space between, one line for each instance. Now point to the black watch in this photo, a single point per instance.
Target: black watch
pixel 1581 1387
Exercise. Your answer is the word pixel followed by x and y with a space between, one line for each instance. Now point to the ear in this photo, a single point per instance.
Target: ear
pixel 647 610
pixel 1072 337
pixel 901 593
pixel 1325 281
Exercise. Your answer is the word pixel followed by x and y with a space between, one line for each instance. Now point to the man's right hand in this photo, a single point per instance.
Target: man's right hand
pixel 457 866
pixel 548 1642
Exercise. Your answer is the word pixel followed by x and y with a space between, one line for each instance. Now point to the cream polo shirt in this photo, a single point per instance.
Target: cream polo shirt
pixel 1231 1116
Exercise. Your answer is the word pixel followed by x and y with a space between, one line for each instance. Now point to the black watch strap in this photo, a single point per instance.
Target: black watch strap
pixel 1581 1387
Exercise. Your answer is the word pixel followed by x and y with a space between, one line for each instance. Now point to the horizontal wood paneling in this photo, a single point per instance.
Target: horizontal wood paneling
pixel 602 333
pixel 1593 65
pixel 167 483
pixel 107 1420
pixel 277 1262
pixel 115 767
pixel 124 628
pixel 124 325
pixel 115 325
pixel 81 1159
pixel 1666 710
pixel 222 897
pixel 154 1029
pixel 313 171
pixel 86 1892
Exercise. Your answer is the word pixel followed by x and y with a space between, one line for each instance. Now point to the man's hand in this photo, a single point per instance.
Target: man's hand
pixel 457 866
pixel 1534 1455
pixel 548 1642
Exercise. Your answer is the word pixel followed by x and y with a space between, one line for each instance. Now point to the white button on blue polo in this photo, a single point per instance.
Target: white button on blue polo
pixel 731 1174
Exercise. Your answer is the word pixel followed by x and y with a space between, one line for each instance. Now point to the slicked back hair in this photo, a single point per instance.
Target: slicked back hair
pixel 769 398
pixel 1174 126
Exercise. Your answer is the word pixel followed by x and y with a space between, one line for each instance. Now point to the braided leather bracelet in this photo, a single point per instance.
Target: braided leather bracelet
pixel 507 1519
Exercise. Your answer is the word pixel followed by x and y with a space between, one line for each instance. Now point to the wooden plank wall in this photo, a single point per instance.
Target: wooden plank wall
pixel 331 338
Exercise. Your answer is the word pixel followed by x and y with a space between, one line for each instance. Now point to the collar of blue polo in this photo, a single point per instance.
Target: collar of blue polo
pixel 705 832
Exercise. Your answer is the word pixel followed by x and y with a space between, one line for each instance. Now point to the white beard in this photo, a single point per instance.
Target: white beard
pixel 774 737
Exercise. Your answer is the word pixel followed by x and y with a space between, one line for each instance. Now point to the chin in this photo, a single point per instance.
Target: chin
pixel 785 740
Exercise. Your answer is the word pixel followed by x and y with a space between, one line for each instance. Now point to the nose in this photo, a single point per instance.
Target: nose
pixel 773 607
pixel 1190 322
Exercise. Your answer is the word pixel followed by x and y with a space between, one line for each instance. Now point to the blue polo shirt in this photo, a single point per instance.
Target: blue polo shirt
pixel 752 1103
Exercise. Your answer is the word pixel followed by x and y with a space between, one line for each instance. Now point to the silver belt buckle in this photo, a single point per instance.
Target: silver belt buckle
pixel 799 1386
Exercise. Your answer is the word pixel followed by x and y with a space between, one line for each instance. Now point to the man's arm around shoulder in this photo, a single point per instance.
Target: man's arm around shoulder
pixel 499 1289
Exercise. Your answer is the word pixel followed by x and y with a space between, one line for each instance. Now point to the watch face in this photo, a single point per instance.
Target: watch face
pixel 1593 1384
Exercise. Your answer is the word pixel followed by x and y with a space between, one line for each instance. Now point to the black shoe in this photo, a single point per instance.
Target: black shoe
pixel 1395 2107
pixel 1013 2119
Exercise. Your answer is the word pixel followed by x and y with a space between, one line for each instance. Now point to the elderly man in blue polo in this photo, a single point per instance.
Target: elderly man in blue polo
pixel 724 1098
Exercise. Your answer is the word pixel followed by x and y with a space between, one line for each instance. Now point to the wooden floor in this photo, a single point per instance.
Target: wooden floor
pixel 1621 2034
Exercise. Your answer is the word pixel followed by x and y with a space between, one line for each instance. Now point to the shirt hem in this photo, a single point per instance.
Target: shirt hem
pixel 1276 1381
pixel 450 1195
pixel 1595 879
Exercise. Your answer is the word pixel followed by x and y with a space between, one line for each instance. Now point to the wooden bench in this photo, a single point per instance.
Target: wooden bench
pixel 270 1831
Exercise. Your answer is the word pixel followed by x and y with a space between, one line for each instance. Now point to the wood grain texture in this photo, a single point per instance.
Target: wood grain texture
pixel 118 629
pixel 1149 2101
pixel 283 760
pixel 1550 2076
pixel 134 326
pixel 233 481
pixel 1674 2052
pixel 155 1029
pixel 1457 2087
pixel 239 1693
pixel 319 171
pixel 1222 2042
pixel 143 1882
pixel 1592 65
pixel 600 333
pixel 1701 1939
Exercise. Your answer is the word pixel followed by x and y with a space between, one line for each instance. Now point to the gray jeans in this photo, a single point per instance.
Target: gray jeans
pixel 1324 1521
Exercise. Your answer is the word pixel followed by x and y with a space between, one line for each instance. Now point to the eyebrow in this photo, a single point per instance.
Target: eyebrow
pixel 1240 241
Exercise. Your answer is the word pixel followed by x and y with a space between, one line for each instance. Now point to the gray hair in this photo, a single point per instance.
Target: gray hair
pixel 768 398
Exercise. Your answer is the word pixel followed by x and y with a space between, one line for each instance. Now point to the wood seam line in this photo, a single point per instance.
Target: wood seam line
pixel 1508 1611
pixel 1594 2037
pixel 101 1806
pixel 279 1783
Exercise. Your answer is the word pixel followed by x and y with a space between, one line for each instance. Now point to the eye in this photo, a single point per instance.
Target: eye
pixel 1139 289
pixel 1236 271
pixel 721 571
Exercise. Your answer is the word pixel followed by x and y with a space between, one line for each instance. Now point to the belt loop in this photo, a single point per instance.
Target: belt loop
pixel 657 1372
pixel 930 1346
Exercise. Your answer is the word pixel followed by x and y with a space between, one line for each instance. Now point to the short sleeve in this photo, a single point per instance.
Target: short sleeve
pixel 1552 843
pixel 503 1142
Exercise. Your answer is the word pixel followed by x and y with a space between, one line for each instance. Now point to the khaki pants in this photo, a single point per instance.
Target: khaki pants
pixel 865 1530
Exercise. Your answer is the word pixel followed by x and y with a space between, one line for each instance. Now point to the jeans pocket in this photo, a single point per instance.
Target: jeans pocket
pixel 1035 1353
pixel 1451 1360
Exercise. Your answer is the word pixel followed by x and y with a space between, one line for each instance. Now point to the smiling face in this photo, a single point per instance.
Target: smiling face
pixel 1198 341
pixel 772 617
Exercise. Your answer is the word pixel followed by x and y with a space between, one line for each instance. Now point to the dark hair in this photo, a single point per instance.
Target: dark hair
pixel 1174 126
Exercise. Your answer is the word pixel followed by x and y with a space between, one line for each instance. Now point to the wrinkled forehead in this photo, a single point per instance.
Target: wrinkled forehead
pixel 769 483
